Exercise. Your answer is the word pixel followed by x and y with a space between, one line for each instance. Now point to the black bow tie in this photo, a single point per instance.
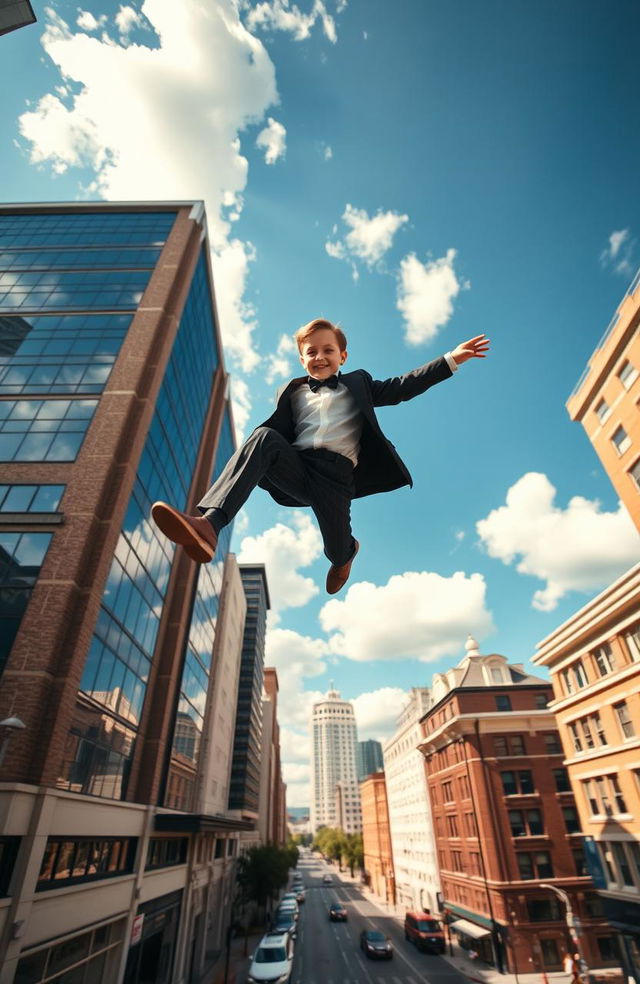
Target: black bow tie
pixel 315 384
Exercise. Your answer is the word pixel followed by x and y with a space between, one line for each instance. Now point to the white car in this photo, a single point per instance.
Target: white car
pixel 272 961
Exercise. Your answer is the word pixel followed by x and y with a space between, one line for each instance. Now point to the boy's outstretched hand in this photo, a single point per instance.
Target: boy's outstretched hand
pixel 475 348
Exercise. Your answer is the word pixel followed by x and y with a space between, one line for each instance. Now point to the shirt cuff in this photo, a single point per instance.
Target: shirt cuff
pixel 451 362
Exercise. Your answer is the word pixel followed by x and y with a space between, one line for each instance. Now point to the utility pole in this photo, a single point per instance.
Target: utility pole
pixel 574 926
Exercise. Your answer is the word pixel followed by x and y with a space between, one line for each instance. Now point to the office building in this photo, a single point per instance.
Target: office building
pixel 605 400
pixel 15 14
pixel 368 758
pixel 335 796
pixel 594 662
pixel 417 877
pixel 113 394
pixel 272 813
pixel 506 826
pixel 376 839
pixel 244 792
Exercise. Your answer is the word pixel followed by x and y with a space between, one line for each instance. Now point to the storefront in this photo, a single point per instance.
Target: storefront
pixel 153 941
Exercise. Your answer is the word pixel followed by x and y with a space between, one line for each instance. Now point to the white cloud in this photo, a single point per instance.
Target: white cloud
pixel 418 615
pixel 280 15
pixel 241 406
pixel 273 140
pixel 327 152
pixel 88 22
pixel 368 239
pixel 126 19
pixel 377 712
pixel 278 365
pixel 163 122
pixel 578 548
pixel 284 549
pixel 425 295
pixel 618 255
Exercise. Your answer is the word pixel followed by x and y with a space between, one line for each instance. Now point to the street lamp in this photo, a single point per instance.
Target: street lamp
pixel 8 728
pixel 573 924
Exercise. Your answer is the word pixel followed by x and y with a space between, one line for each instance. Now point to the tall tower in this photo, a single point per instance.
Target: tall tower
pixel 112 394
pixel 335 796
pixel 244 792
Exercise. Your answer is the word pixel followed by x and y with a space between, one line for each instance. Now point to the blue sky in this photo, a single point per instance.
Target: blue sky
pixel 420 172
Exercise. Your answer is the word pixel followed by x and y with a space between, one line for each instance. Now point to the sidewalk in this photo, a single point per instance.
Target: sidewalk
pixel 238 959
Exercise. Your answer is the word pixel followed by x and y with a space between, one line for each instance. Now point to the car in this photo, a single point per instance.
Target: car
pixel 300 896
pixel 284 922
pixel 425 931
pixel 273 960
pixel 288 897
pixel 376 945
pixel 289 908
pixel 337 912
pixel 327 880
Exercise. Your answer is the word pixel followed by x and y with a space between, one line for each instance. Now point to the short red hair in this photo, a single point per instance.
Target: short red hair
pixel 303 334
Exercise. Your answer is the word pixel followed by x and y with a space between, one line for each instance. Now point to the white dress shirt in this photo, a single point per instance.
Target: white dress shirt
pixel 329 418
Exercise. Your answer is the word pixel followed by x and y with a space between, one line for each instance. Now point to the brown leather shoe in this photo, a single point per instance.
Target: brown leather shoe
pixel 194 533
pixel 338 576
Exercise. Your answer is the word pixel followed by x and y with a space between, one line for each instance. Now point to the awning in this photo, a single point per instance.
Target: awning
pixel 469 929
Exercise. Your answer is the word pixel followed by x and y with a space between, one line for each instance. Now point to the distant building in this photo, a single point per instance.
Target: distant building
pixel 15 14
pixel 594 661
pixel 417 876
pixel 368 758
pixel 506 823
pixel 335 796
pixel 244 791
pixel 605 400
pixel 272 824
pixel 376 840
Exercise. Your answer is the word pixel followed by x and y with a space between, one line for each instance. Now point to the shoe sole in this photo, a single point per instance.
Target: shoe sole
pixel 179 531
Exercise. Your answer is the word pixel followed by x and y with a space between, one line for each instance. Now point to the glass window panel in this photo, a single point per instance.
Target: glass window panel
pixel 18 498
pixel 65 447
pixel 47 498
pixel 81 859
pixel 9 444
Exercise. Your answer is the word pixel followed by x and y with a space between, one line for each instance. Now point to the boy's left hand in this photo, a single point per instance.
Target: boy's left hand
pixel 475 348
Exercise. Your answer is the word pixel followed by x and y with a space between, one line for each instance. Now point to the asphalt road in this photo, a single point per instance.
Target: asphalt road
pixel 329 953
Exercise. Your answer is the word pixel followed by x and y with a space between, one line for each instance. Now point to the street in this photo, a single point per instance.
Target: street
pixel 329 953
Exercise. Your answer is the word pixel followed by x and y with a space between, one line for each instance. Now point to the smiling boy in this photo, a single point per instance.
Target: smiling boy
pixel 322 447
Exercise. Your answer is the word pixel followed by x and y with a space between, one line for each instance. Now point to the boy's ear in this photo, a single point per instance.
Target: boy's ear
pixel 343 357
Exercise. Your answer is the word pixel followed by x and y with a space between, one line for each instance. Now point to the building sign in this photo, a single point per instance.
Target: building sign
pixel 594 863
pixel 136 929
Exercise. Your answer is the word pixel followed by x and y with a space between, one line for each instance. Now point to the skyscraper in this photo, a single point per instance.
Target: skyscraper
pixel 335 796
pixel 112 394
pixel 244 792
pixel 368 758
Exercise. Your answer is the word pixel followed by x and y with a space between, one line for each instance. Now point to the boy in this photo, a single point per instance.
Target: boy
pixel 322 447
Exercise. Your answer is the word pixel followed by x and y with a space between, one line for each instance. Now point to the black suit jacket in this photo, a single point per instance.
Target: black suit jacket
pixel 379 468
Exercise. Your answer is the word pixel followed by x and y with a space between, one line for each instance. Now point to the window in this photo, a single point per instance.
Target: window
pixel 496 674
pixel 43 430
pixel 604 659
pixel 517 782
pixel 586 732
pixel 624 719
pixel 579 861
pixel 602 411
pixel 534 864
pixel 622 863
pixel 599 729
pixel 166 851
pixel 621 806
pixel 561 779
pixel 632 637
pixel 603 793
pixel 543 910
pixel 620 440
pixel 634 472
pixel 72 861
pixel 591 796
pixel 571 819
pixel 627 374
pixel 517 745
pixel 500 746
pixel 92 956
pixel 579 674
pixel 552 744
pixel 503 703
pixel 456 857
pixel 447 791
pixel 526 823
pixel 549 949
pixel 541 701
pixel 607 947
pixel 452 826
pixel 575 735
pixel 30 498
pixel 567 682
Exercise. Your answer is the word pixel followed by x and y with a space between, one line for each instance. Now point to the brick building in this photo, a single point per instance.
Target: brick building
pixel 376 837
pixel 505 818
pixel 594 661
pixel 113 394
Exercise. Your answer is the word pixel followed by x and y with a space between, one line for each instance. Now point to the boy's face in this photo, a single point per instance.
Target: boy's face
pixel 320 354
